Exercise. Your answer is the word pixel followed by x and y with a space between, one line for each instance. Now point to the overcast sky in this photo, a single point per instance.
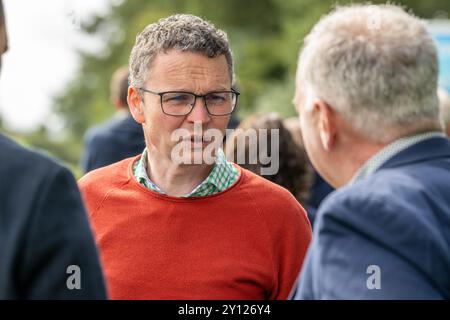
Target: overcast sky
pixel 42 38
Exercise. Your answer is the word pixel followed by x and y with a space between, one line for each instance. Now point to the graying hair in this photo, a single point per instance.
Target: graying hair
pixel 183 32
pixel 375 65
pixel 444 106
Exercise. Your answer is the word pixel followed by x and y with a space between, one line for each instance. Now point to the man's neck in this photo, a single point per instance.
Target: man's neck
pixel 358 160
pixel 354 159
pixel 172 178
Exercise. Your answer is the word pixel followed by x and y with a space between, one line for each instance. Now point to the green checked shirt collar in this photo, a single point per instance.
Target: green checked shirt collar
pixel 223 175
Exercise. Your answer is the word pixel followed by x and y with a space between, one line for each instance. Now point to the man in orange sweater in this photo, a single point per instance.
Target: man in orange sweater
pixel 169 226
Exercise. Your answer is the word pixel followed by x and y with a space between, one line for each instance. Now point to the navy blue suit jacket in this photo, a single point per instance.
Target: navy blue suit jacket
pixel 386 236
pixel 115 140
pixel 44 231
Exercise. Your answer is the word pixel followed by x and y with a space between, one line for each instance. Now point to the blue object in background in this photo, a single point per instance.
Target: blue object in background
pixel 440 30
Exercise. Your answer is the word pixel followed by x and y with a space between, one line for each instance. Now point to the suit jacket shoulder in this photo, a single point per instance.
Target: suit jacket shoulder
pixel 44 229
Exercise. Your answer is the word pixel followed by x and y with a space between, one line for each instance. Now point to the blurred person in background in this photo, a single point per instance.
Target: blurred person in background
pixel 46 246
pixel 444 108
pixel 366 94
pixel 294 173
pixel 171 229
pixel 319 188
pixel 120 137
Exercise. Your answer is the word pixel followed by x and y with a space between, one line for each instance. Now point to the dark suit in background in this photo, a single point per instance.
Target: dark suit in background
pixel 115 140
pixel 43 230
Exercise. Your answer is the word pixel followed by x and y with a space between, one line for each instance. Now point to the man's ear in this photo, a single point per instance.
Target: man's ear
pixel 135 105
pixel 327 123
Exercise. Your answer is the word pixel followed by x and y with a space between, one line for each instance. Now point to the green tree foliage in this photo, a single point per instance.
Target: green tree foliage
pixel 265 36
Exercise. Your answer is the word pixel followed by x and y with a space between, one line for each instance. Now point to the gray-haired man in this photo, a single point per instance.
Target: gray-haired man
pixel 367 100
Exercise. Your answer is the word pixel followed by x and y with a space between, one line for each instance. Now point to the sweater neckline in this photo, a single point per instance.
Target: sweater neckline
pixel 164 197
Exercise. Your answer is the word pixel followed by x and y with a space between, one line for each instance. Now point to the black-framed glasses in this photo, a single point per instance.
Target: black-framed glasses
pixel 181 103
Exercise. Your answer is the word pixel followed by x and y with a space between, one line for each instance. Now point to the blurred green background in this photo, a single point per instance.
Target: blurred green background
pixel 265 36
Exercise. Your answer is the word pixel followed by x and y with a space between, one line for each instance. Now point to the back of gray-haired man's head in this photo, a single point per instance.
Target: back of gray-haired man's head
pixel 375 65
pixel 182 32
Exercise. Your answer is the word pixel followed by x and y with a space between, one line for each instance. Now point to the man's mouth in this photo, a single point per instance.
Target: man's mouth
pixel 198 141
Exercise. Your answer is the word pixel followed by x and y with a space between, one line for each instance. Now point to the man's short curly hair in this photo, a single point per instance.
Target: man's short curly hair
pixel 183 32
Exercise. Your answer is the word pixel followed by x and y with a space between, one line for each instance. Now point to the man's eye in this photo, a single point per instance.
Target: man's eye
pixel 216 98
pixel 177 98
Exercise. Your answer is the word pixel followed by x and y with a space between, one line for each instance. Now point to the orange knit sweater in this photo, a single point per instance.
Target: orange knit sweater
pixel 247 242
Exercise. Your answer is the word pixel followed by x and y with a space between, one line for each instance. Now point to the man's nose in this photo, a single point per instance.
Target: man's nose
pixel 199 113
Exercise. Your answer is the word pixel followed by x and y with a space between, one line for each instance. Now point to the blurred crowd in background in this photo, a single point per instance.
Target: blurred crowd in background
pixel 265 36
